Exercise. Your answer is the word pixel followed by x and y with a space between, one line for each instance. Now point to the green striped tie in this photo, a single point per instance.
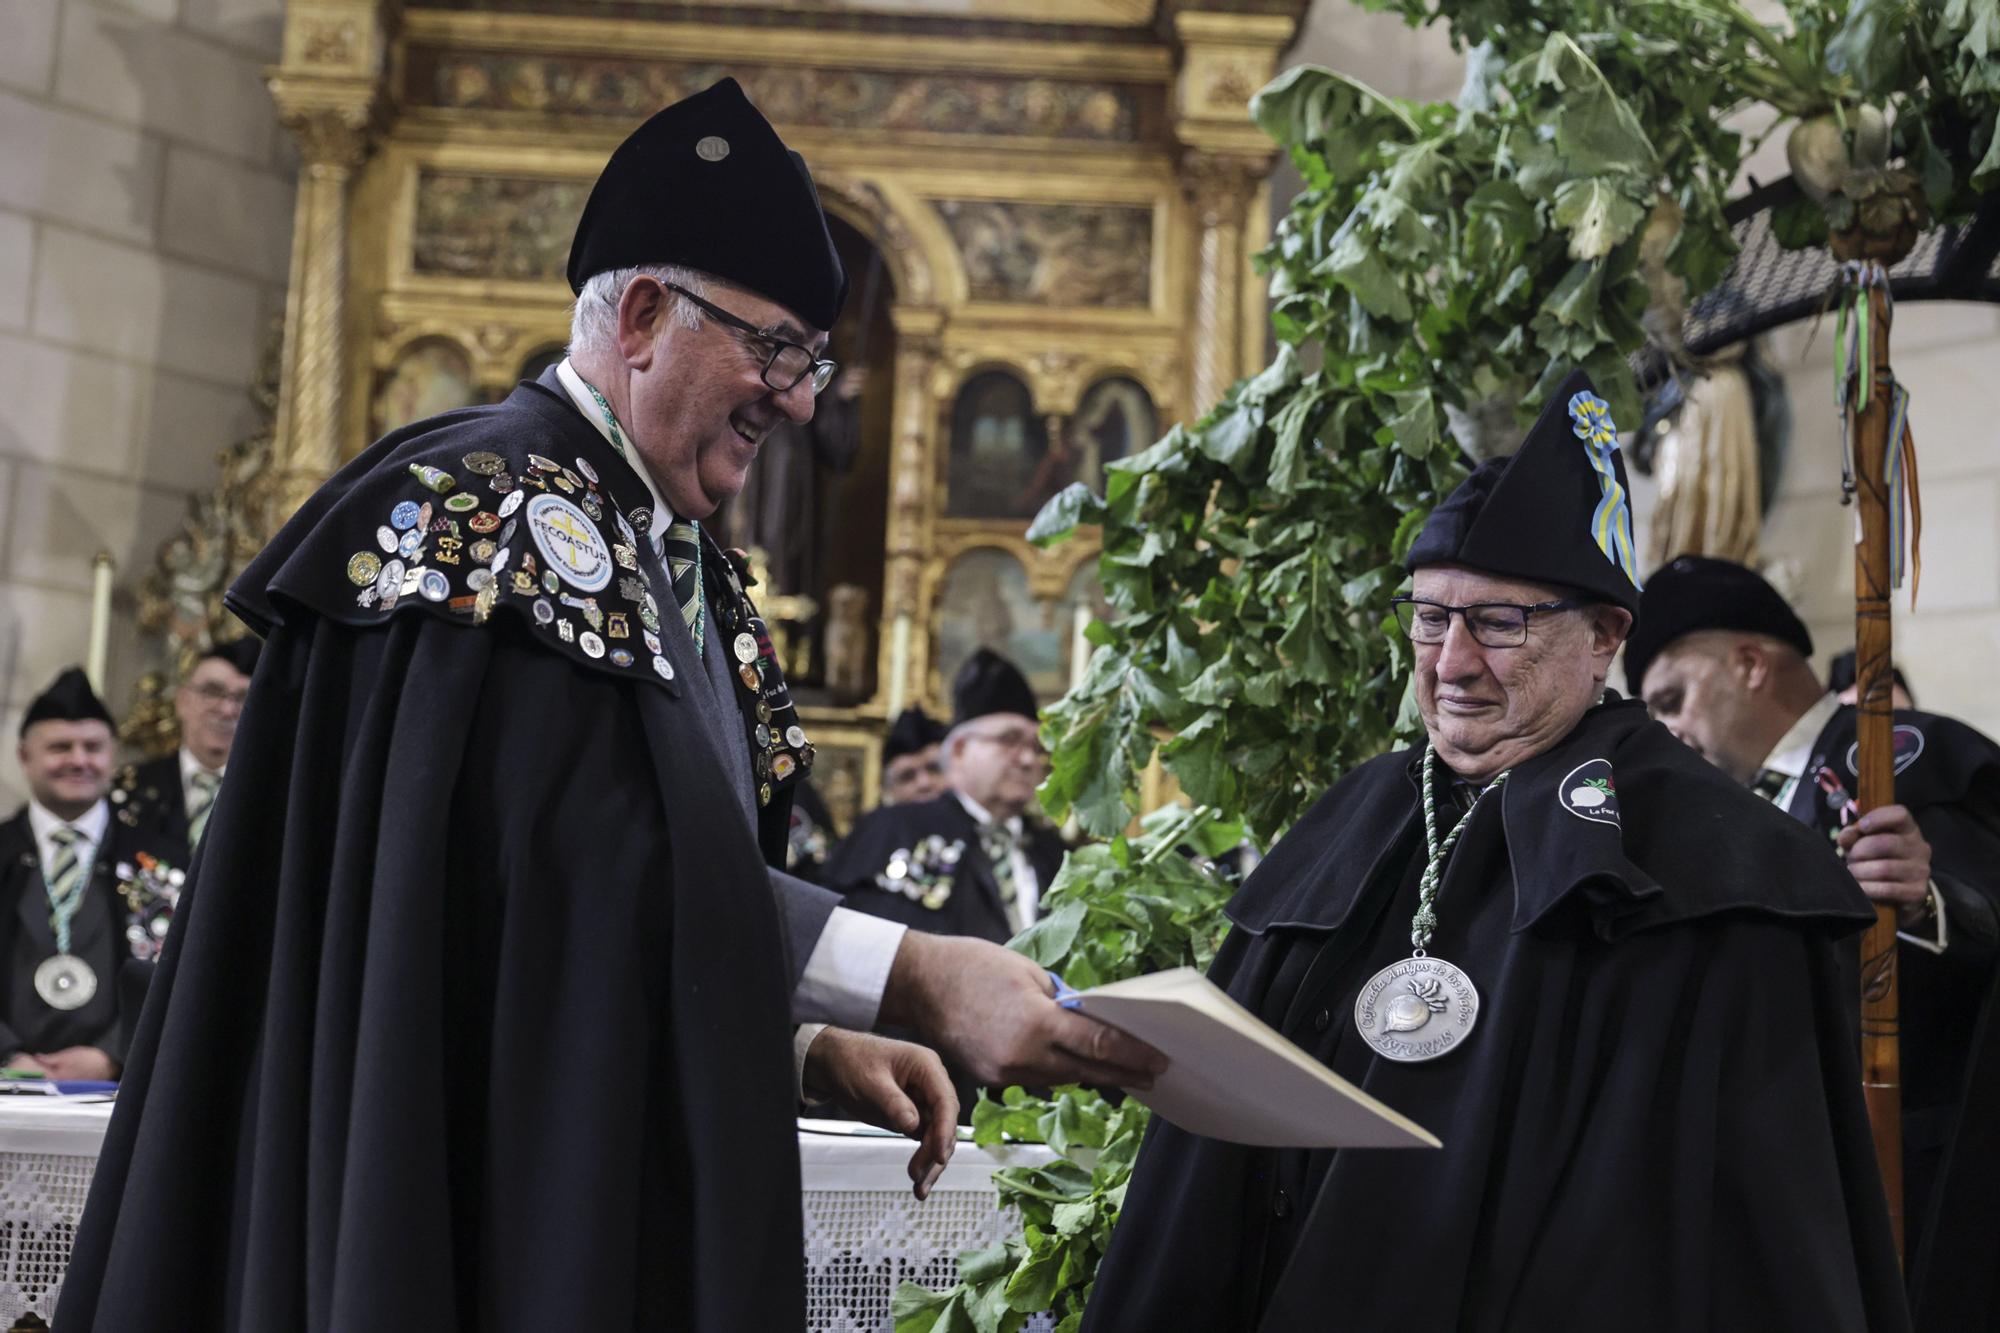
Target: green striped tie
pixel 201 801
pixel 682 548
pixel 998 842
pixel 65 877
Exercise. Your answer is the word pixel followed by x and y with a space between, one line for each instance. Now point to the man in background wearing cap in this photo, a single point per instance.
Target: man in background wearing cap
pixel 967 862
pixel 168 799
pixel 912 768
pixel 62 928
pixel 1723 662
pixel 479 1010
pixel 1609 980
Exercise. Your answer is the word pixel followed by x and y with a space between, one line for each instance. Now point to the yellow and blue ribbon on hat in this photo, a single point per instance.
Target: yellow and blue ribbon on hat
pixel 1611 522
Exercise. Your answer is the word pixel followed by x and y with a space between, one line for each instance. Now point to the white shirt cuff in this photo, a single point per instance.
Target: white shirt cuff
pixel 1943 938
pixel 848 971
pixel 803 1037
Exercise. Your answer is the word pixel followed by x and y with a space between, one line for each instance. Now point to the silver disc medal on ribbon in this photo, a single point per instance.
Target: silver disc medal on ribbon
pixel 1416 1009
pixel 65 981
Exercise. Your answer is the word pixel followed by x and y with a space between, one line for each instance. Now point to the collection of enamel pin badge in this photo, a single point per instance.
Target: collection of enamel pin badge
pixel 536 535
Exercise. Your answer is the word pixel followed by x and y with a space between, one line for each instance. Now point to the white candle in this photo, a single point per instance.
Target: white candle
pixel 899 664
pixel 100 620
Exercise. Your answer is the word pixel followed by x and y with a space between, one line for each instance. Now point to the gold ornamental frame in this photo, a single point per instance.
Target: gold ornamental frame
pixel 1066 189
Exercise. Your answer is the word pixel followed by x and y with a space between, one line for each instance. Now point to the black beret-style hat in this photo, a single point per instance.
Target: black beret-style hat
pixel 68 698
pixel 240 653
pixel 1697 592
pixel 988 683
pixel 914 730
pixel 1556 511
pixel 707 184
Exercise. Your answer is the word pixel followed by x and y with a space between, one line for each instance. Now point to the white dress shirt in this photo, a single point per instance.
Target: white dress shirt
pixel 1791 755
pixel 91 824
pixel 1027 886
pixel 849 966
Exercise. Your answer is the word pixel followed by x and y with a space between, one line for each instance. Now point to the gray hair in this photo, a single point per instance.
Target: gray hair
pixel 593 324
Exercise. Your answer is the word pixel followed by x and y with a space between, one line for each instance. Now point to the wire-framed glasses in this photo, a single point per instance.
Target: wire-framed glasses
pixel 1493 624
pixel 788 362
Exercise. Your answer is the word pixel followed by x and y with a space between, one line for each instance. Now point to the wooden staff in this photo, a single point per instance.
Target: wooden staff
pixel 1881 1055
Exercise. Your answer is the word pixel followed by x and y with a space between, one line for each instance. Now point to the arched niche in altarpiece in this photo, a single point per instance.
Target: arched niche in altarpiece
pixel 428 376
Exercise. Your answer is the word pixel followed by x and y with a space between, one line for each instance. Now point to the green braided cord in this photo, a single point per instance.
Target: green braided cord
pixel 1425 921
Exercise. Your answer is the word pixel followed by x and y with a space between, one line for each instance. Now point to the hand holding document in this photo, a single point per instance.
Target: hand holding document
pixel 1233 1077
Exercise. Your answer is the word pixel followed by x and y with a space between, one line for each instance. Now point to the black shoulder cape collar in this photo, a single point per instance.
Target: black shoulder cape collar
pixel 1619 828
pixel 1939 761
pixel 522 508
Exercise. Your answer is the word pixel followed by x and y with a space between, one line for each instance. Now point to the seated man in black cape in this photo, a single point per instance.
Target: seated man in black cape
pixel 1722 661
pixel 969 861
pixel 478 1010
pixel 62 922
pixel 1620 989
pixel 168 800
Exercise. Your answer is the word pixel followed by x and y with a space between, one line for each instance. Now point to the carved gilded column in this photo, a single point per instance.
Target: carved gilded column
pixel 329 92
pixel 1225 59
pixel 912 465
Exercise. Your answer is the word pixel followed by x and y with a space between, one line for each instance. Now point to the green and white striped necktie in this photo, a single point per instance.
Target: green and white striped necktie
pixel 201 801
pixel 65 882
pixel 680 545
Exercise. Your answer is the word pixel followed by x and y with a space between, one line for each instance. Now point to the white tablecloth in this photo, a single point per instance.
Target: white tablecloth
pixel 864 1233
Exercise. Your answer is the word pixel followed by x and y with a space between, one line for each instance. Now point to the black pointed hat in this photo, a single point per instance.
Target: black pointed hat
pixel 707 184
pixel 989 683
pixel 1557 511
pixel 913 730
pixel 68 699
pixel 240 653
pixel 1697 592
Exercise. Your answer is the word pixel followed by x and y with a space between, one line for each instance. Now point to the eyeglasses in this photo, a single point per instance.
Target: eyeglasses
pixel 788 362
pixel 1022 742
pixel 215 695
pixel 1492 624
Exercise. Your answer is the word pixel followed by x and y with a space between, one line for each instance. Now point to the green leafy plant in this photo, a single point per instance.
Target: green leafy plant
pixel 1445 266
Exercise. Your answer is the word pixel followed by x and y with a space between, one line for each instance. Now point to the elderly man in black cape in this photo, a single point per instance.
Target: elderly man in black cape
pixel 1722 661
pixel 1621 990
pixel 968 861
pixel 475 1014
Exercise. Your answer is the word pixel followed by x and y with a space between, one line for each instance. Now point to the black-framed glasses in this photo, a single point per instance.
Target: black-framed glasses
pixel 788 362
pixel 1493 624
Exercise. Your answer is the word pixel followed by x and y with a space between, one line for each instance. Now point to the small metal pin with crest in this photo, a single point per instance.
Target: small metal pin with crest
pixel 712 148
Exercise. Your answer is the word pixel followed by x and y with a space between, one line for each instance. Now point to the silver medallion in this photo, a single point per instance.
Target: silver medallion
pixel 746 648
pixel 1416 1009
pixel 65 982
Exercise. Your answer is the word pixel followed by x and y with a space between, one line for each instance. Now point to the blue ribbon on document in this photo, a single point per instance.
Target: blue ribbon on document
pixel 1065 995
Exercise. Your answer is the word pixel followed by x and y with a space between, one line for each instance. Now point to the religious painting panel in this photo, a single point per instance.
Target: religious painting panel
pixel 984 602
pixel 430 377
pixel 1081 255
pixel 872 101
pixel 999 449
pixel 513 228
pixel 1114 419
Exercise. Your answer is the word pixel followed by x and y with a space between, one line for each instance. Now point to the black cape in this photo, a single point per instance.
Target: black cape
pixel 972 906
pixel 97 936
pixel 148 799
pixel 1949 776
pixel 1655 1125
pixel 474 1014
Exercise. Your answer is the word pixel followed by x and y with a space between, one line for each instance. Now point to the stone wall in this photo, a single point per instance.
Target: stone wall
pixel 145 227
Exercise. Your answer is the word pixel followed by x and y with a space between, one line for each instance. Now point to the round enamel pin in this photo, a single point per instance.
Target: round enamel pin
pixel 461 502
pixel 484 463
pixel 663 667
pixel 404 516
pixel 386 538
pixel 795 736
pixel 745 648
pixel 434 586
pixel 571 544
pixel 583 466
pixel 593 647
pixel 362 567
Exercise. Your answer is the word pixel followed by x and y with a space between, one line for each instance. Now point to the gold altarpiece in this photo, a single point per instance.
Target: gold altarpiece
pixel 1064 194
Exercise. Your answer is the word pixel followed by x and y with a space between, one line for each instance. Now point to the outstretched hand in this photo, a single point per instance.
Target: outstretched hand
pixel 994 1012
pixel 891 1084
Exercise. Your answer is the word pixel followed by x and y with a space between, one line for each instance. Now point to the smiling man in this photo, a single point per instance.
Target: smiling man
pixel 479 1010
pixel 167 801
pixel 1610 980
